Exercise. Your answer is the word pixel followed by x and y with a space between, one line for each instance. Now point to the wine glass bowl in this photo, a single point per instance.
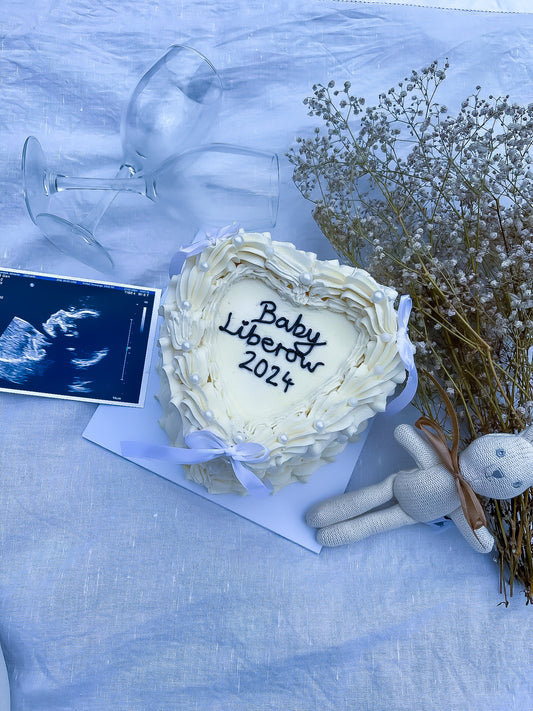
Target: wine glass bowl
pixel 171 107
pixel 220 183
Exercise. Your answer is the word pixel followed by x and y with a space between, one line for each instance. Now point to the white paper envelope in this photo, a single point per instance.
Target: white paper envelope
pixel 283 513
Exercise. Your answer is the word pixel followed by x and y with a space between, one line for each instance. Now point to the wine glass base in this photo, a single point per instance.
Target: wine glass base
pixel 34 174
pixel 75 241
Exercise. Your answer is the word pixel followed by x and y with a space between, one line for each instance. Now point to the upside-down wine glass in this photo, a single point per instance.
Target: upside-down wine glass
pixel 169 110
pixel 216 183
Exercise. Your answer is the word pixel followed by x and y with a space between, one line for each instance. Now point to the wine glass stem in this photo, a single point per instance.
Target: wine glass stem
pixel 58 183
pixel 92 219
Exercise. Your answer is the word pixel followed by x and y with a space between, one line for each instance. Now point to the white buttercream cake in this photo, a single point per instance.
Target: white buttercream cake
pixel 264 343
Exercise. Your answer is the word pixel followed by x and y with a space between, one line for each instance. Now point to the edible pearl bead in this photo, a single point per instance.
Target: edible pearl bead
pixel 320 425
pixel 385 337
pixel 379 370
pixel 306 278
pixel 209 414
pixel 203 266
pixel 195 378
pixel 283 438
pixel 238 240
pixel 186 346
pixel 378 296
pixel 352 402
pixel 186 305
pixel 239 438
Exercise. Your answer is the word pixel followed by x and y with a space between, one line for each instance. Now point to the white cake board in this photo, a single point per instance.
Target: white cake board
pixel 283 513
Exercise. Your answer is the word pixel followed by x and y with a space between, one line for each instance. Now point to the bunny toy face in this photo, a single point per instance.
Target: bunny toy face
pixel 498 466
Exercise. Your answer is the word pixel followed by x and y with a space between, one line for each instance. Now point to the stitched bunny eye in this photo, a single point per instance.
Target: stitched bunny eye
pixel 500 453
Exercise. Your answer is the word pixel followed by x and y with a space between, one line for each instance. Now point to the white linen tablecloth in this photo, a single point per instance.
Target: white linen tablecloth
pixel 120 591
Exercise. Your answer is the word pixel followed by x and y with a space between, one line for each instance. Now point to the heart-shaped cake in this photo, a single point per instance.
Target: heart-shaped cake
pixel 264 345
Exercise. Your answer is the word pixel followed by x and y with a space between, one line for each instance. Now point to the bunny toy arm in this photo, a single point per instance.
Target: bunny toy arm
pixel 484 542
pixel 420 450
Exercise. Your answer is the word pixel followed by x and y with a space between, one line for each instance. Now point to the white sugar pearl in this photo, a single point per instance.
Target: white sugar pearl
pixel 209 414
pixel 283 438
pixel 238 240
pixel 385 337
pixel 239 438
pixel 186 305
pixel 306 278
pixel 203 266
pixel 352 402
pixel 320 425
pixel 186 346
pixel 378 296
pixel 379 370
pixel 195 379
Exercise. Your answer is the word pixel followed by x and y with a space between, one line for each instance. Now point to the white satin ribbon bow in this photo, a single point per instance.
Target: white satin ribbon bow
pixel 202 240
pixel 203 446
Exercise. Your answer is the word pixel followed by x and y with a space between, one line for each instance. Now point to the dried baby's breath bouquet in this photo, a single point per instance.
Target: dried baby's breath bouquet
pixel 441 207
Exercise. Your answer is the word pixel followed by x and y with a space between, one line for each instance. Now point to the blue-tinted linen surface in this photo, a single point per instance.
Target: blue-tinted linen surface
pixel 119 591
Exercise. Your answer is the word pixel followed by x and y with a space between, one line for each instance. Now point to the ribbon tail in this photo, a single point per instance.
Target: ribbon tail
pixel 183 253
pixel 165 453
pixel 471 505
pixel 437 440
pixel 404 398
pixel 253 485
pixel 453 419
pixel 227 231
pixel 405 351
pixel 176 263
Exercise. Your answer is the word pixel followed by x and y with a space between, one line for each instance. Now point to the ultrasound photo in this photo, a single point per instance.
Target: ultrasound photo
pixel 83 340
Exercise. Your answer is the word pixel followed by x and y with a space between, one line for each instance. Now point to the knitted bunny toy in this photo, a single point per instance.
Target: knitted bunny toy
pixel 497 466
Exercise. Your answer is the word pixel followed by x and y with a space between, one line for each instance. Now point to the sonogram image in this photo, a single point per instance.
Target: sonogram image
pixel 86 340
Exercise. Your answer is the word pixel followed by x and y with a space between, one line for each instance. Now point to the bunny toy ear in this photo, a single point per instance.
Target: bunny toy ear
pixel 528 433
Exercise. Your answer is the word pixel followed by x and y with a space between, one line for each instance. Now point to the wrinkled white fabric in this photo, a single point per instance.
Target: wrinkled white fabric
pixel 118 590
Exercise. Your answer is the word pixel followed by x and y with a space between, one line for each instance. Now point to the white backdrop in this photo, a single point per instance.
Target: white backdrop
pixel 118 589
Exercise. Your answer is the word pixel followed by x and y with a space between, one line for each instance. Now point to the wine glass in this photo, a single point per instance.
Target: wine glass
pixel 216 183
pixel 170 109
